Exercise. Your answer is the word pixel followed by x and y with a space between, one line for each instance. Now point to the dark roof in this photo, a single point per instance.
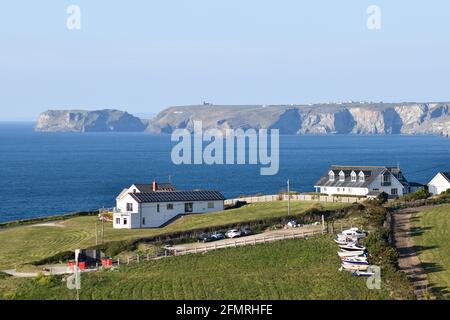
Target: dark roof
pixel 146 188
pixel 176 196
pixel 370 173
pixel 446 175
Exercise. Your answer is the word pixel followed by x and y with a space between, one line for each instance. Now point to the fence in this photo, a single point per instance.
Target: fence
pixel 240 242
pixel 296 197
pixel 244 242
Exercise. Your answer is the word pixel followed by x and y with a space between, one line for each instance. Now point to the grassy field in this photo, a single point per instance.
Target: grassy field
pixel 431 229
pixel 30 243
pixel 292 269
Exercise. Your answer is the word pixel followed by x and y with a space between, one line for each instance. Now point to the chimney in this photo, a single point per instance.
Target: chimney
pixel 154 186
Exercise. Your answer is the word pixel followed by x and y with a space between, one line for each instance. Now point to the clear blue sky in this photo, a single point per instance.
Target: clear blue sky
pixel 143 56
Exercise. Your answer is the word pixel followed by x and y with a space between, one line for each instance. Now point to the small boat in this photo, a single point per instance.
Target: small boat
pixel 352 246
pixel 345 254
pixel 354 267
pixel 341 240
pixel 356 260
pixel 354 232
pixel 360 273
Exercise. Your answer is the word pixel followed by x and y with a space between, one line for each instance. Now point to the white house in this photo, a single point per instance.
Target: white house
pixel 440 183
pixel 363 181
pixel 153 205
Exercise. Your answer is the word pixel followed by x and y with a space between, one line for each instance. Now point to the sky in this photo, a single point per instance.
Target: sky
pixel 143 56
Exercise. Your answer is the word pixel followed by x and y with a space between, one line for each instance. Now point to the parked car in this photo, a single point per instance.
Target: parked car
pixel 234 233
pixel 204 237
pixel 217 236
pixel 292 224
pixel 246 231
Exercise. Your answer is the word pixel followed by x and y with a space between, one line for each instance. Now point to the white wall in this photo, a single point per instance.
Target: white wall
pixel 153 218
pixel 438 185
pixel 344 191
pixel 395 184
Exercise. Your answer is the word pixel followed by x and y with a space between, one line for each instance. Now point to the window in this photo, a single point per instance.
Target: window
pixel 341 176
pixel 331 175
pixel 338 189
pixel 210 205
pixel 129 207
pixel 353 176
pixel 362 177
pixel 394 191
pixel 350 190
pixel 170 206
pixel 157 207
pixel 386 179
pixel 125 221
pixel 324 189
pixel 188 207
pixel 343 189
pixel 117 220
pixel 143 220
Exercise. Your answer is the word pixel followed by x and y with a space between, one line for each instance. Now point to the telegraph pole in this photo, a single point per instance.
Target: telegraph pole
pixel 96 234
pixel 289 196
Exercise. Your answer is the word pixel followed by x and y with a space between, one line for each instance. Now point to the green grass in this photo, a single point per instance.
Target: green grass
pixel 431 229
pixel 24 244
pixel 292 269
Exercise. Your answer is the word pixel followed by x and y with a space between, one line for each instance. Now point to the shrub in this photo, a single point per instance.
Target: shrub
pixel 46 281
pixel 418 195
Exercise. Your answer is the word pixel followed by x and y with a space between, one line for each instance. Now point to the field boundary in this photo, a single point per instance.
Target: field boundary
pixel 296 197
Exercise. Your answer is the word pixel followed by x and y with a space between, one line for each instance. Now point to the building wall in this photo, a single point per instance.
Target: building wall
pixel 148 212
pixel 438 185
pixel 344 191
pixel 395 184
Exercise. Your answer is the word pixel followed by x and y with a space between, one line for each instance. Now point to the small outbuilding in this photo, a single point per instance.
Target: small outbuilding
pixel 440 183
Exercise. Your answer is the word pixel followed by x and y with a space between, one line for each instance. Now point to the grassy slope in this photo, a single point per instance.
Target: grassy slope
pixel 30 243
pixel 432 238
pixel 292 269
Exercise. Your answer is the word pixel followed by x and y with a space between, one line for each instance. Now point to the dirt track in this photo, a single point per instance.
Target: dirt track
pixel 408 260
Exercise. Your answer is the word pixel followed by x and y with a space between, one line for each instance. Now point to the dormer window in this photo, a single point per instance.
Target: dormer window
pixel 353 175
pixel 362 177
pixel 342 176
pixel 331 175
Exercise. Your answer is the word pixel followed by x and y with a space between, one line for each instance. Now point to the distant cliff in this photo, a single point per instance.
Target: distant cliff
pixel 351 118
pixel 89 121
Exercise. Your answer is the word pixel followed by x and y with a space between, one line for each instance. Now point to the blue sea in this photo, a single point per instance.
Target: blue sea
pixel 45 174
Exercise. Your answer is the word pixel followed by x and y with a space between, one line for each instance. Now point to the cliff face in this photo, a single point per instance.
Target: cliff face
pixel 88 121
pixel 353 118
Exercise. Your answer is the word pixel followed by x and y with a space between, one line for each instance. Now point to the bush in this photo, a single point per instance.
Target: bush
pixel 418 195
pixel 376 215
pixel 47 281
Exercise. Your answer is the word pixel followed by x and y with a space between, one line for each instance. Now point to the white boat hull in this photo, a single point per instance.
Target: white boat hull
pixel 345 254
pixel 355 267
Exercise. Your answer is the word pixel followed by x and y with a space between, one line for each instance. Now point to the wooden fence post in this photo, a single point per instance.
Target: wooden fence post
pixel 128 260
pixel 137 259
pixel 118 261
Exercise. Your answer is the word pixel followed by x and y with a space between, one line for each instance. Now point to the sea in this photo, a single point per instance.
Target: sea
pixel 44 174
